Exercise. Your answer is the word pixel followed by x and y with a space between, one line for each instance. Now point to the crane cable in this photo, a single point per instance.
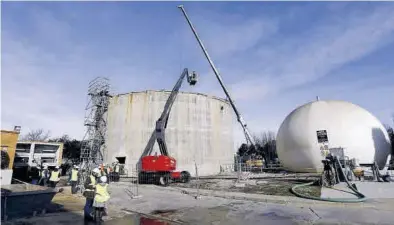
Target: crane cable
pixel 360 197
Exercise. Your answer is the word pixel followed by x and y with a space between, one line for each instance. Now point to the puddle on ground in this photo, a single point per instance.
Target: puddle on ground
pixel 136 220
pixel 164 211
pixel 275 216
pixel 132 219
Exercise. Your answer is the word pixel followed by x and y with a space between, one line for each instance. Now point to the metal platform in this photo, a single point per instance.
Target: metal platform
pixel 23 200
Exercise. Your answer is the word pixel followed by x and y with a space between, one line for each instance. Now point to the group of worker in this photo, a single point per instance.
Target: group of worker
pixel 48 177
pixel 112 172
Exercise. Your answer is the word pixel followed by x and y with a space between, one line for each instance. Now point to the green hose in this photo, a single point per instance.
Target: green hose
pixel 360 196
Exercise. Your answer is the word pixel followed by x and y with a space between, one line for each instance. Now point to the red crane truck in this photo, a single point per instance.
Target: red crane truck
pixel 161 169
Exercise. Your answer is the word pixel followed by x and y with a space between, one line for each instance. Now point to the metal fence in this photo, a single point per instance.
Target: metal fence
pixel 132 190
pixel 246 167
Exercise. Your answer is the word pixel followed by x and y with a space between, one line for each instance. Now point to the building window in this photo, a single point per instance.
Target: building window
pixel 23 148
pixel 42 148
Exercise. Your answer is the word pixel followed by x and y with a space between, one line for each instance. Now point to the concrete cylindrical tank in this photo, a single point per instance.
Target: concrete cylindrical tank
pixel 200 129
pixel 346 125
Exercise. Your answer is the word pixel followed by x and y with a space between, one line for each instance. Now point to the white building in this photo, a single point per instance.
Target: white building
pixel 34 153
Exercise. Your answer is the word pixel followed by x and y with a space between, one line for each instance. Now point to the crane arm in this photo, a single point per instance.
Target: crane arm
pixel 248 136
pixel 161 124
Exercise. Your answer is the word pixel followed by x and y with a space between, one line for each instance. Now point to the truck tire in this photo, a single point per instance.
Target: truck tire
pixel 185 177
pixel 164 179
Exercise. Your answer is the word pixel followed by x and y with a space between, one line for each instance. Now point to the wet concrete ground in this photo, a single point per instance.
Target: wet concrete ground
pixel 170 206
pixel 76 219
pixel 263 209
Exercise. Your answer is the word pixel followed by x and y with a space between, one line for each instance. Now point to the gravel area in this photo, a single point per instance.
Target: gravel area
pixel 266 186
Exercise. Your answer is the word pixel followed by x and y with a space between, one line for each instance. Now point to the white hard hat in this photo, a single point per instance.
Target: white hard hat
pixel 57 167
pixel 96 170
pixel 103 179
pixel 45 166
pixel 76 166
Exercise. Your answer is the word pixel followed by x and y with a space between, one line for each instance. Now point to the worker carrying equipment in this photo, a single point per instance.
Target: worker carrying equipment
pixel 74 179
pixel 100 199
pixel 54 179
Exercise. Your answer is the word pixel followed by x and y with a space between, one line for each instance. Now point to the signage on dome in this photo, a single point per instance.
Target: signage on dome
pixel 322 136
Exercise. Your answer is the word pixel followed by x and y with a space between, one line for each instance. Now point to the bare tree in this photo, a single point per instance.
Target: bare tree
pixel 264 138
pixel 36 135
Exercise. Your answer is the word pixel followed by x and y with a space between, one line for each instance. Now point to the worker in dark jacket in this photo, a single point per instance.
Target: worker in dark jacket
pixel 44 175
pixel 116 171
pixel 34 174
pixel 90 185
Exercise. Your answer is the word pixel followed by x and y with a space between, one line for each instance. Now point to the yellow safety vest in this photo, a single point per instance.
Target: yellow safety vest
pixel 40 173
pixel 74 175
pixel 102 194
pixel 117 168
pixel 54 176
pixel 92 180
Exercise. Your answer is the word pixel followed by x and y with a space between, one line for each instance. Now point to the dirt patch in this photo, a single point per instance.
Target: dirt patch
pixel 266 187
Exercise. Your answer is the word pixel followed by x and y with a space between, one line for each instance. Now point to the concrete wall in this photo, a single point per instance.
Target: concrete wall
pixel 8 143
pixel 199 129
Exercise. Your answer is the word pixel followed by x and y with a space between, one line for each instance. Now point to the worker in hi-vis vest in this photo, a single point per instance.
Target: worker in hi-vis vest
pixel 101 194
pixel 90 185
pixel 44 175
pixel 74 176
pixel 55 177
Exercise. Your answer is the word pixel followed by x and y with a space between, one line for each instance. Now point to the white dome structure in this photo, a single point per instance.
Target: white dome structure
pixel 347 126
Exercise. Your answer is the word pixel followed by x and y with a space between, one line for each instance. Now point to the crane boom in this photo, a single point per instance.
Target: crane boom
pixel 161 124
pixel 248 136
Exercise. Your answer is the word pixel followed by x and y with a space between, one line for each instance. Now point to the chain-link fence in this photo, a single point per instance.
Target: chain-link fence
pixel 237 178
pixel 131 176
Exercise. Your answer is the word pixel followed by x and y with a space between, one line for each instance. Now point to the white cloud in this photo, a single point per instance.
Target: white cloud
pixel 302 60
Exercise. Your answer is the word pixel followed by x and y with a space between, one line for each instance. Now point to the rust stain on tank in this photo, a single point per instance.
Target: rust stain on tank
pixel 129 107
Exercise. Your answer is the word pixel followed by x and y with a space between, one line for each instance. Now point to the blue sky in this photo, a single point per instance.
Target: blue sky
pixel 273 56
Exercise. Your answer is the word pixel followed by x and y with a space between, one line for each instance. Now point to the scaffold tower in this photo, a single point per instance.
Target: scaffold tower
pixel 93 144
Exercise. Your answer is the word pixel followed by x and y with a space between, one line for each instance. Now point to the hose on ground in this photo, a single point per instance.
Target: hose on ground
pixel 360 197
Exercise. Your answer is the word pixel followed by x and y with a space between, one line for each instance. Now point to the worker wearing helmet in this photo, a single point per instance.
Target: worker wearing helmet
pixel 74 176
pixel 101 194
pixel 116 170
pixel 90 185
pixel 55 177
pixel 44 175
pixel 103 170
pixel 108 172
